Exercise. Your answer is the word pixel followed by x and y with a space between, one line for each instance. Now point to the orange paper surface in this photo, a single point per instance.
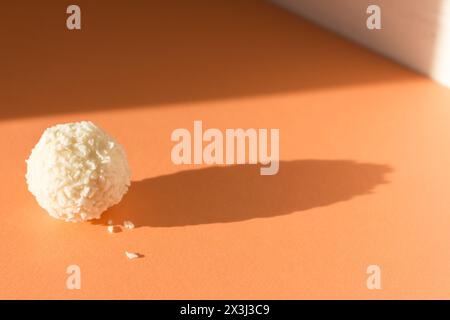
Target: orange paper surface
pixel 364 175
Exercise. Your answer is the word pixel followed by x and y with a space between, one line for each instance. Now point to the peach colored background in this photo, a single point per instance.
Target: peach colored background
pixel 364 177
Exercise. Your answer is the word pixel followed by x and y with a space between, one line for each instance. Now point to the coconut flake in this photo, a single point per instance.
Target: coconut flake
pixel 128 224
pixel 131 255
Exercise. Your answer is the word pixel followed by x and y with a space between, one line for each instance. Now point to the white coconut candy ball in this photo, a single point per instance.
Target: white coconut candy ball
pixel 76 171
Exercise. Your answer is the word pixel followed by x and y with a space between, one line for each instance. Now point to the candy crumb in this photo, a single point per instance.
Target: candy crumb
pixel 131 255
pixel 128 224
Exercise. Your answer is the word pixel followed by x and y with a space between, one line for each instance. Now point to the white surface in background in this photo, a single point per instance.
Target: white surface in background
pixel 441 66
pixel 415 33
